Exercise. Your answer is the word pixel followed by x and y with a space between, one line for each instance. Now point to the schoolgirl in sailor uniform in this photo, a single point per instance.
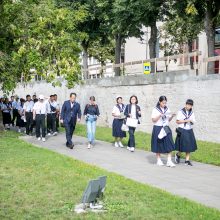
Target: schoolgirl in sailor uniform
pixel 132 110
pixel 6 113
pixel 118 114
pixel 20 117
pixel 185 140
pixel 161 116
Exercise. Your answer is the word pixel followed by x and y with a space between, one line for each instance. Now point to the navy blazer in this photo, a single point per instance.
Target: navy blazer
pixel 128 111
pixel 66 112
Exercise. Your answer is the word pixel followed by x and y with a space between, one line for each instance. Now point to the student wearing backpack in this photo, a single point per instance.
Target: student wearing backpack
pixel 91 114
pixel 185 140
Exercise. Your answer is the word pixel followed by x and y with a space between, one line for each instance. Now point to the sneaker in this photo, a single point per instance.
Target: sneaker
pixel 116 144
pixel 43 139
pixel 170 164
pixel 160 162
pixel 177 158
pixel 19 130
pixel 89 146
pixel 39 139
pixel 128 148
pixel 188 163
pixel 48 134
pixel 120 144
pixel 132 149
pixel 55 133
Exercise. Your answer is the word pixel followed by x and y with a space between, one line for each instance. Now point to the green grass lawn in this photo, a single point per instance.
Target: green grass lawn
pixel 207 152
pixel 36 183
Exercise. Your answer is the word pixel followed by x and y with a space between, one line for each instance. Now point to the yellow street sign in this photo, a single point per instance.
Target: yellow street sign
pixel 147 68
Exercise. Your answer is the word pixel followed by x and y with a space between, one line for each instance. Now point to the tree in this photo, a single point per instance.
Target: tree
pixel 207 12
pixel 179 29
pixel 42 37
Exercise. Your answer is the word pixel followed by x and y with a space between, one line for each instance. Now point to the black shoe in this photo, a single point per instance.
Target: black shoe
pixel 188 163
pixel 177 158
pixel 71 146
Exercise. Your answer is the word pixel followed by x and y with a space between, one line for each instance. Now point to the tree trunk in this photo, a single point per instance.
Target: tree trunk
pixel 85 60
pixel 210 34
pixel 118 41
pixel 152 44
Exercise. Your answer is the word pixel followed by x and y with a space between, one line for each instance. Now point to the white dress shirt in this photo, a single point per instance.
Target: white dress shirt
pixel 40 107
pixel 133 111
pixel 54 104
pixel 28 106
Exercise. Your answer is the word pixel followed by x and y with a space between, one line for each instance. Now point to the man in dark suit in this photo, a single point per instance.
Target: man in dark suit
pixel 70 114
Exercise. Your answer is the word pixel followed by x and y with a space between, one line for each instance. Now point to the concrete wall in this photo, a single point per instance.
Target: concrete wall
pixel 177 86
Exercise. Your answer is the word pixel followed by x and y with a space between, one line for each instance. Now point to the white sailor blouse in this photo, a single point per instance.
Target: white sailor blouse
pixel 164 120
pixel 183 114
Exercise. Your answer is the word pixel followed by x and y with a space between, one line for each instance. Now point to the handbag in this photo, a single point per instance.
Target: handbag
pixel 132 122
pixel 167 129
pixel 124 127
pixel 178 131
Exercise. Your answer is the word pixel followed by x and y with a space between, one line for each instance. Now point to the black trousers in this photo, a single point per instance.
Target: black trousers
pixel 15 115
pixel 69 127
pixel 29 122
pixel 51 122
pixel 131 141
pixel 57 122
pixel 40 125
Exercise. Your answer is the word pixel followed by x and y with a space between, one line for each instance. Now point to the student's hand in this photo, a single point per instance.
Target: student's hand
pixel 129 115
pixel 79 119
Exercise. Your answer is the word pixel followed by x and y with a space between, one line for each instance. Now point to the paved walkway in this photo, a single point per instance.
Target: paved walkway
pixel 200 183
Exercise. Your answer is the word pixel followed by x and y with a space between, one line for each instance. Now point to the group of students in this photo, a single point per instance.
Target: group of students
pixel 126 118
pixel 35 111
pixel 30 113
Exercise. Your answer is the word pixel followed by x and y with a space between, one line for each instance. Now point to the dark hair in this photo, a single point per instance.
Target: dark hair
pixel 22 100
pixel 161 99
pixel 134 96
pixel 72 93
pixel 118 99
pixel 55 95
pixel 189 102
pixel 51 96
pixel 27 96
pixel 92 98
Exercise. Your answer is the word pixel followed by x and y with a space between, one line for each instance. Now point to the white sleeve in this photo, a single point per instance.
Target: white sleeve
pixel 114 110
pixel 35 106
pixel 192 118
pixel 24 107
pixel 179 116
pixel 155 113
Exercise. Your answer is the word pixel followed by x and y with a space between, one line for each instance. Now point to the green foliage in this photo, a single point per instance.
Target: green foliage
pixel 44 38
